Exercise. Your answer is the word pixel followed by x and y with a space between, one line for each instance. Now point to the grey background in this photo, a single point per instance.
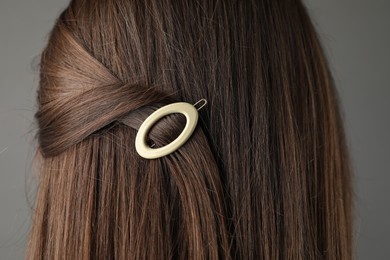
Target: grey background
pixel 356 36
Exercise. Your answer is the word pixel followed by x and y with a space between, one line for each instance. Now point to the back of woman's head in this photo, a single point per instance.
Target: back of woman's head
pixel 265 175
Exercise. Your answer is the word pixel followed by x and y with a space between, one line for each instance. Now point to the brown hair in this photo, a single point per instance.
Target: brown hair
pixel 266 172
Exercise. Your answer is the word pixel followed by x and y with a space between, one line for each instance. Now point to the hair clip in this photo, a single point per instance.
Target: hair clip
pixel 188 110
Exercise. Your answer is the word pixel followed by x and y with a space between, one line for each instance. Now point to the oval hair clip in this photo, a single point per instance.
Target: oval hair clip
pixel 188 110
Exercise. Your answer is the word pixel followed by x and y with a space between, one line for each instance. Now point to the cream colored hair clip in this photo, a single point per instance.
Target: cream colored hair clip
pixel 191 113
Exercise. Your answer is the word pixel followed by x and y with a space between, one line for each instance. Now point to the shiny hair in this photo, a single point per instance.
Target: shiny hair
pixel 265 174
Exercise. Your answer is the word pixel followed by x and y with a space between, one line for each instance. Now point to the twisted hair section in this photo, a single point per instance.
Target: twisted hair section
pixel 265 174
pixel 78 95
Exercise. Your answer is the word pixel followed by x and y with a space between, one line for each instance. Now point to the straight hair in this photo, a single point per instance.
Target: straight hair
pixel 266 173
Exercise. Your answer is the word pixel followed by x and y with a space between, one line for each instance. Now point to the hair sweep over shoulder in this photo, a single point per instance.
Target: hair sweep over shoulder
pixel 266 173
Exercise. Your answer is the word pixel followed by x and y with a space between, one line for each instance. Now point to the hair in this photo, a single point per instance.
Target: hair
pixel 266 173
